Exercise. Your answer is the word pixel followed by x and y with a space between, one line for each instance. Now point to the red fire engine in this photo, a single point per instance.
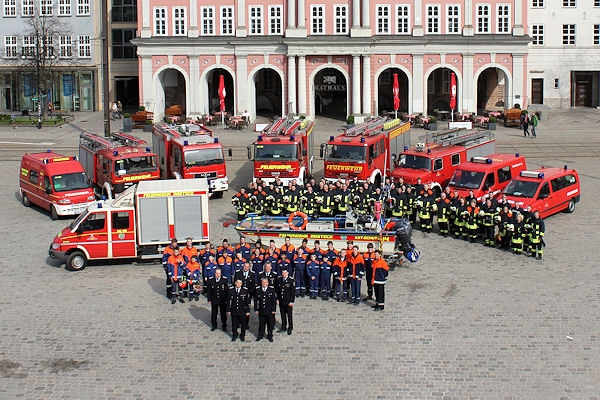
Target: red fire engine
pixel 365 150
pixel 190 151
pixel 284 150
pixel 435 158
pixel 120 160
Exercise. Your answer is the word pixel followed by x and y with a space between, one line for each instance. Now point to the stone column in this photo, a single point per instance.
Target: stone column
pixel 468 27
pixel 146 31
pixel 418 83
pixel 193 28
pixel 418 18
pixel 517 90
pixel 366 14
pixel 366 87
pixel 242 94
pixel 518 13
pixel 302 93
pixel 241 30
pixel 196 99
pixel 355 86
pixel 291 83
pixel 466 87
pixel 291 14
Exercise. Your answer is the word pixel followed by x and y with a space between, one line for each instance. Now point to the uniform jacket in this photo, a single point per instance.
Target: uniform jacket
pixel 300 262
pixel 245 250
pixel 340 268
pixel 286 290
pixel 176 266
pixel 217 291
pixel 209 270
pixel 188 252
pixel 265 301
pixel 271 276
pixel 356 266
pixel 238 304
pixel 380 271
pixel 248 282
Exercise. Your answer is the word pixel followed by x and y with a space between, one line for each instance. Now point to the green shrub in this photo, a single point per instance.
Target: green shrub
pixel 432 120
pixel 141 108
pixel 126 115
pixel 523 112
pixel 148 122
pixel 500 103
pixel 517 105
pixel 493 119
pixel 350 119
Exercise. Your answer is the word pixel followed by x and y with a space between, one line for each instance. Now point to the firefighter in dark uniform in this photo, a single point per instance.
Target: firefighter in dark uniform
pixel 308 202
pixel 168 252
pixel 504 221
pixel 396 202
pixel 291 199
pixel 238 306
pixel 342 199
pixel 443 214
pixel 425 205
pixel 326 202
pixel 536 235
pixel 217 292
pixel 265 306
pixel 247 277
pixel 241 202
pixel 471 216
pixel 176 265
pixel 268 274
pixel 369 256
pixel 286 295
pixel 488 224
pixel 459 219
pixel 517 239
pixel 409 205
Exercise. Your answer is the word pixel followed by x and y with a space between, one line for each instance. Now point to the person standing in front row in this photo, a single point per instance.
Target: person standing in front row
pixel 217 291
pixel 286 296
pixel 380 273
pixel 238 306
pixel 265 306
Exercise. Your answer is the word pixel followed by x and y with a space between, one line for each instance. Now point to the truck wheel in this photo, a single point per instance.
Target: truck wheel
pixel 53 213
pixel 76 261
pixel 25 200
pixel 571 207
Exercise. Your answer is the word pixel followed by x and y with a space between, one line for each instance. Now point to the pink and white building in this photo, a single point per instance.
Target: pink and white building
pixel 331 57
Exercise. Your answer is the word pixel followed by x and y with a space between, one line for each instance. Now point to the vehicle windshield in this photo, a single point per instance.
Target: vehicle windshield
pixel 78 220
pixel 276 151
pixel 69 182
pixel 519 188
pixel 416 162
pixel 346 153
pixel 198 157
pixel 134 165
pixel 467 179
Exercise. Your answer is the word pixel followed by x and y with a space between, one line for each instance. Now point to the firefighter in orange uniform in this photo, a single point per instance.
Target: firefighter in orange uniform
pixel 176 272
pixel 168 252
pixel 380 273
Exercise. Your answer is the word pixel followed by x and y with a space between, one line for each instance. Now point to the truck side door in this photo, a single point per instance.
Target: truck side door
pixel 122 234
pixel 92 234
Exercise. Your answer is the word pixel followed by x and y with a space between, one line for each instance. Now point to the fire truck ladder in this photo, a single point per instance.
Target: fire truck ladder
pixel 453 137
pixel 127 139
pixel 367 128
pixel 283 126
pixel 95 142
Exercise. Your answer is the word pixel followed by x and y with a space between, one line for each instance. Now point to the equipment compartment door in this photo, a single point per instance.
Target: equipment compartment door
pixel 188 220
pixel 123 234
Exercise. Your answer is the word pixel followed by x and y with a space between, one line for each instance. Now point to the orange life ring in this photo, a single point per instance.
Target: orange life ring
pixel 294 215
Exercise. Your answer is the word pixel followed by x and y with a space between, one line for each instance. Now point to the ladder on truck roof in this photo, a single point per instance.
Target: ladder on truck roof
pixel 95 142
pixel 282 126
pixel 454 136
pixel 367 128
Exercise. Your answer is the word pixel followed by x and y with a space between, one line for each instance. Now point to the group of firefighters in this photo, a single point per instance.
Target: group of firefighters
pixel 494 222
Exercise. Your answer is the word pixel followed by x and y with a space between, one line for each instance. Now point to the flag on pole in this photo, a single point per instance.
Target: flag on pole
pixel 452 93
pixel 222 95
pixel 396 92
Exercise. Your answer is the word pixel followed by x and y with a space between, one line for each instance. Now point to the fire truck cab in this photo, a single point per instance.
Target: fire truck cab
pixel 54 182
pixel 190 151
pixel 365 150
pixel 121 160
pixel 487 175
pixel 547 190
pixel 284 150
pixel 437 155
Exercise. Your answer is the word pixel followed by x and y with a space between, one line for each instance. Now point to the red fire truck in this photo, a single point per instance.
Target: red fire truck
pixel 365 150
pixel 121 160
pixel 284 150
pixel 435 158
pixel 190 151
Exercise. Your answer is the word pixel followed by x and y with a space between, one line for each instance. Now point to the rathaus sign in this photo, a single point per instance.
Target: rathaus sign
pixel 329 85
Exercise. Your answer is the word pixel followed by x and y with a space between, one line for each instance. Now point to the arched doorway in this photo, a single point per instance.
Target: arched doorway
pixel 438 91
pixel 385 97
pixel 268 93
pixel 491 90
pixel 173 86
pixel 213 90
pixel 331 94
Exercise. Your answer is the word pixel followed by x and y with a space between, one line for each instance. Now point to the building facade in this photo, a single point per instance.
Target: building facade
pixel 331 57
pixel 564 55
pixel 50 53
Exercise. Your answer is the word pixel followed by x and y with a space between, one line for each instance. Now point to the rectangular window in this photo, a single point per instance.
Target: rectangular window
pixel 568 34
pixel 122 49
pixel 483 18
pixel 317 17
pixel 596 33
pixel 402 18
pixel 64 8
pixel 596 3
pixel 27 7
pixel 275 20
pixel 46 7
pixel 84 46
pixel 453 12
pixel 208 26
pixel 383 20
pixel 10 8
pixel 160 21
pixel 537 3
pixel 83 7
pixel 341 20
pixel 10 47
pixel 537 34
pixel 256 27
pixel 65 47
pixel 569 3
pixel 433 19
pixel 226 20
pixel 503 13
pixel 124 11
pixel 47 46
pixel 179 22
pixel 29 46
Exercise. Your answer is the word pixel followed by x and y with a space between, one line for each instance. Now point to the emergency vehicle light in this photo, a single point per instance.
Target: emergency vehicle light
pixel 216 140
pixel 147 149
pixel 74 158
pixel 565 167
pixel 517 155
pixel 362 139
pixel 532 174
pixel 405 148
pixel 260 138
pixel 185 142
pixel 99 205
pixel 48 151
pixel 331 138
pixel 115 153
pixel 481 160
pixel 292 138
pixel 428 151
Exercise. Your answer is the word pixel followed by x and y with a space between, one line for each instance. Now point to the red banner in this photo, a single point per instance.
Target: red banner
pixel 222 93
pixel 396 92
pixel 452 91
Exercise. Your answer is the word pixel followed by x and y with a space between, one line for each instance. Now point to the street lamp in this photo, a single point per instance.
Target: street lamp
pixel 40 51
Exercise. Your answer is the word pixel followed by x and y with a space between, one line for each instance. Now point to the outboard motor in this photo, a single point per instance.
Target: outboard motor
pixel 403 240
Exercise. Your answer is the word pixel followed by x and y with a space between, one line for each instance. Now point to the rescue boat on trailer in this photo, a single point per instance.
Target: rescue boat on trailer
pixel 390 235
